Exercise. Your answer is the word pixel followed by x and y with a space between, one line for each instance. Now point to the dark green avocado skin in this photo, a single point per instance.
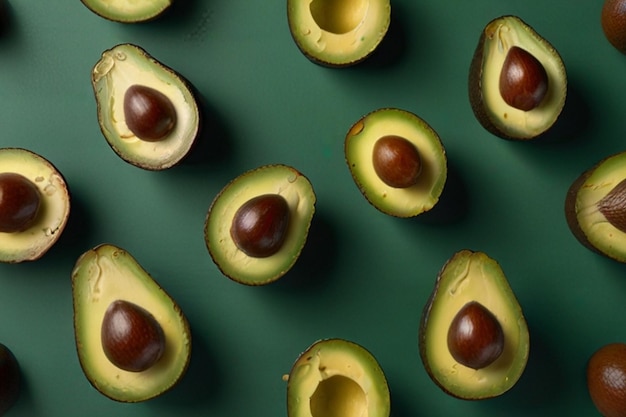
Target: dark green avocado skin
pixel 10 379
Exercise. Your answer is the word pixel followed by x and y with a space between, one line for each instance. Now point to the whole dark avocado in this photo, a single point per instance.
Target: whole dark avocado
pixel 10 379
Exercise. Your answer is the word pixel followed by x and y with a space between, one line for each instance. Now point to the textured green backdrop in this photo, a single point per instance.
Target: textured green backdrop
pixel 363 276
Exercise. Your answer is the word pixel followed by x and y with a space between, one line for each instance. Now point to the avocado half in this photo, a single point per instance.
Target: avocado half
pixel 359 148
pixel 469 277
pixel 128 11
pixel 170 99
pixel 338 33
pixel 490 108
pixel 595 207
pixel 52 215
pixel 105 275
pixel 337 378
pixel 277 180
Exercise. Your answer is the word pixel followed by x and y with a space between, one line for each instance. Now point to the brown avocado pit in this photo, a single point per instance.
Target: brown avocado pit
pixel 132 339
pixel 613 21
pixel 523 80
pixel 149 114
pixel 20 201
pixel 396 161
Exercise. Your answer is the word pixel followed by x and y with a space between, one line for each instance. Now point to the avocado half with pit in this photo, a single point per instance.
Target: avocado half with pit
pixel 517 80
pixel 595 207
pixel 147 112
pixel 128 11
pixel 258 224
pixel 397 161
pixel 34 205
pixel 473 337
pixel 338 33
pixel 133 340
pixel 337 378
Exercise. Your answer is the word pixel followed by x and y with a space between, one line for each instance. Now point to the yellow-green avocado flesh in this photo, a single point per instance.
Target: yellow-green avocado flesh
pixel 128 11
pixel 473 276
pixel 337 378
pixel 585 220
pixel 278 179
pixel 489 107
pixel 106 274
pixel 399 202
pixel 126 65
pixel 338 33
pixel 32 243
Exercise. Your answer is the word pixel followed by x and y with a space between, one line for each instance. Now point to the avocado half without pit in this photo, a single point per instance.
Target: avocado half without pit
pixel 338 33
pixel 337 378
pixel 473 337
pixel 397 161
pixel 517 80
pixel 257 225
pixel 595 207
pixel 133 340
pixel 147 112
pixel 128 11
pixel 34 205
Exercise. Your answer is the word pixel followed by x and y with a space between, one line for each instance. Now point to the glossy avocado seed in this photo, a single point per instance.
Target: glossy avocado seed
pixel 149 114
pixel 19 202
pixel 260 225
pixel 613 206
pixel 475 337
pixel 396 161
pixel 523 80
pixel 131 337
pixel 606 379
pixel 613 20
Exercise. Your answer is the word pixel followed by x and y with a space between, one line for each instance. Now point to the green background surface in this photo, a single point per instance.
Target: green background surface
pixel 363 276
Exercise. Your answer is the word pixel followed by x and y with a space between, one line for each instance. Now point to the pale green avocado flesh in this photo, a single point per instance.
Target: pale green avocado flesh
pixel 106 274
pixel 399 202
pixel 338 32
pixel 498 37
pixel 53 215
pixel 592 226
pixel 126 65
pixel 270 179
pixel 337 378
pixel 128 11
pixel 473 276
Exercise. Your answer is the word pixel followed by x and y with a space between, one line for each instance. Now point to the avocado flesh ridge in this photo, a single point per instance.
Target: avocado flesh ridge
pixel 475 277
pixel 402 202
pixel 339 48
pixel 53 213
pixel 337 358
pixel 280 180
pixel 599 232
pixel 107 274
pixel 500 36
pixel 128 10
pixel 117 70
